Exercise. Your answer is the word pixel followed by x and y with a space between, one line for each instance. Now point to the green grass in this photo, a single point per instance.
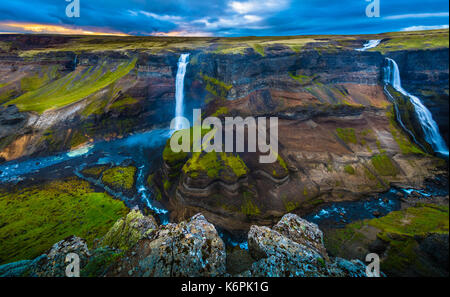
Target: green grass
pixel 347 135
pixel 120 178
pixel 418 40
pixel 71 88
pixel 383 165
pixel 34 218
pixel 349 169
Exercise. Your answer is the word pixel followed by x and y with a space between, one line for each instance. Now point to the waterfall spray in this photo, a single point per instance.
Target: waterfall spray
pixel 429 126
pixel 179 93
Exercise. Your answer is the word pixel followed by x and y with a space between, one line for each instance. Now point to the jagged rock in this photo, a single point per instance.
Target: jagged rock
pixel 295 253
pixel 302 232
pixel 191 248
pixel 127 231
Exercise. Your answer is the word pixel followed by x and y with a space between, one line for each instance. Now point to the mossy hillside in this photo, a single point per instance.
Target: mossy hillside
pixel 36 217
pixel 403 142
pixel 71 88
pixel 302 79
pixel 384 165
pixel 347 135
pixel 121 178
pixel 216 87
pixel 399 230
pixel 78 138
pixel 37 80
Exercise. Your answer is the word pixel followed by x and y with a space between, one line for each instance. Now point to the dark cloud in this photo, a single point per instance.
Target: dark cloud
pixel 230 17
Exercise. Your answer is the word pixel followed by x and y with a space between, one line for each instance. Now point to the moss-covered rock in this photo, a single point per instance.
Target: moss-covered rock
pixel 127 231
pixel 121 178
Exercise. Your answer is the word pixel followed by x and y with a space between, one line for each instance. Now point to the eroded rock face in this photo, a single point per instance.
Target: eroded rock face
pixel 295 250
pixel 191 248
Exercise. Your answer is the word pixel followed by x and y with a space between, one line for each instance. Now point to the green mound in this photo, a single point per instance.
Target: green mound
pixel 120 178
pixel 33 219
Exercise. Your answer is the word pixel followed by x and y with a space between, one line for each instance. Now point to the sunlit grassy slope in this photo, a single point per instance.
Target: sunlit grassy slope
pixel 71 88
pixel 33 219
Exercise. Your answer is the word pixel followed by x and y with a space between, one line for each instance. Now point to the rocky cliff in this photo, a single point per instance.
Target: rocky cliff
pixel 294 248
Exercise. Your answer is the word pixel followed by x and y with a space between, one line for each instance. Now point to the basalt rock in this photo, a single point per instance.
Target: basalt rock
pixel 191 248
pixel 295 251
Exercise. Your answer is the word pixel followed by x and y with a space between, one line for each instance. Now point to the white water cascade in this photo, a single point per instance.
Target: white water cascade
pixel 429 126
pixel 370 44
pixel 179 93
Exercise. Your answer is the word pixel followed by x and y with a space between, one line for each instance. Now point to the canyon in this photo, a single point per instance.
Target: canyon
pixel 81 108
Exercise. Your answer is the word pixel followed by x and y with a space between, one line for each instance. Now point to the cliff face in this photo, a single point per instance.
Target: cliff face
pixel 338 139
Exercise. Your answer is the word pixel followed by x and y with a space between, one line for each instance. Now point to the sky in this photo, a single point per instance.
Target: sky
pixel 221 17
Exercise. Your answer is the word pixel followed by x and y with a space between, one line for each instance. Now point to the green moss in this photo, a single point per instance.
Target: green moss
pixel 347 135
pixel 100 261
pixel 216 87
pixel 414 40
pixel 123 103
pixel 77 139
pixel 71 88
pixel 120 178
pixel 383 165
pixel 213 164
pixel 221 111
pixel 248 207
pixel 259 49
pixel 34 82
pixel 349 169
pixel 167 185
pixel 127 231
pixel 302 79
pixel 405 145
pixel 95 171
pixel 290 205
pixel 34 218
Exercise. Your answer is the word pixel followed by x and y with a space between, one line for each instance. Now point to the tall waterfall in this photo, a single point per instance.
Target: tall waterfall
pixel 429 126
pixel 179 94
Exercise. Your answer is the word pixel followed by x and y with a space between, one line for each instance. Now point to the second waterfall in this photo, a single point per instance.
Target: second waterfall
pixel 179 93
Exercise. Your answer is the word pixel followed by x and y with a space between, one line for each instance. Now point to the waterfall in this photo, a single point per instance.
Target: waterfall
pixel 370 44
pixel 429 126
pixel 179 93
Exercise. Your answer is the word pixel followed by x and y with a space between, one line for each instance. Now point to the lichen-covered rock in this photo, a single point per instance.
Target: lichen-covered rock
pixel 187 249
pixel 302 232
pixel 295 252
pixel 127 231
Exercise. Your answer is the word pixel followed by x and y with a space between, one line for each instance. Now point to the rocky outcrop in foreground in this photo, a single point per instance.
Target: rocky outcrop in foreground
pixel 293 247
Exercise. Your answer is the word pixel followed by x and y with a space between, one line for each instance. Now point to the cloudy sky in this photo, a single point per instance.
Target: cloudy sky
pixel 221 17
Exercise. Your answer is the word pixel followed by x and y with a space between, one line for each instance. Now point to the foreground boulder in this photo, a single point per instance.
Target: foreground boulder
pixel 294 248
pixel 191 248
pixel 136 247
